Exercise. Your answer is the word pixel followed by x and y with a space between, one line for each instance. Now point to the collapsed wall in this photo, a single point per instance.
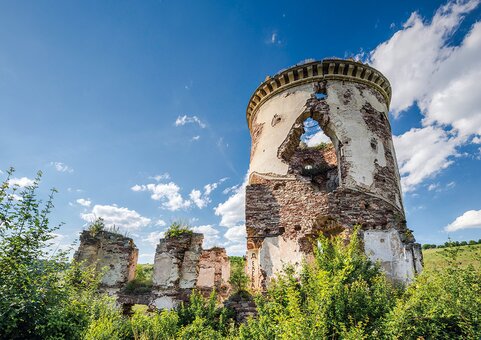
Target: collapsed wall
pixel 180 266
pixel 110 252
pixel 296 192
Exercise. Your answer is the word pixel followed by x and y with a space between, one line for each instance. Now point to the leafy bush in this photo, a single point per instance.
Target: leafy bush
pixel 443 303
pixel 340 295
pixel 143 280
pixel 42 296
pixel 206 312
pixel 163 325
pixel 178 229
pixel 238 277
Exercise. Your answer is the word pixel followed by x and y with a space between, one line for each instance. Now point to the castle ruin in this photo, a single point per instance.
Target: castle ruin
pixel 296 192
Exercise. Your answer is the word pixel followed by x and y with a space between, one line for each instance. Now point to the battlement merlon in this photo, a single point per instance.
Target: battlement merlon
pixel 326 69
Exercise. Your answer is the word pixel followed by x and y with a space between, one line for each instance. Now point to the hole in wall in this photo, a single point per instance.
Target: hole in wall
pixel 313 135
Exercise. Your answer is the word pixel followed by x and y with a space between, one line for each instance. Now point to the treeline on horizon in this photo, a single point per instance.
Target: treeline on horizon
pixel 451 244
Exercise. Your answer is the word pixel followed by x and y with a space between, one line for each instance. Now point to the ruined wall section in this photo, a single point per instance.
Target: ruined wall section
pixel 214 272
pixel 294 194
pixel 114 253
pixel 176 267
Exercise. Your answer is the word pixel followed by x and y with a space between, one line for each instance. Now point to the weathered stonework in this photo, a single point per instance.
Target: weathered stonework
pixel 296 193
pixel 112 252
pixel 214 272
pixel 180 266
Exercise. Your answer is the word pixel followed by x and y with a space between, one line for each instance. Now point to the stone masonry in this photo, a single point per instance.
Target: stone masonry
pixel 112 252
pixel 180 266
pixel 296 192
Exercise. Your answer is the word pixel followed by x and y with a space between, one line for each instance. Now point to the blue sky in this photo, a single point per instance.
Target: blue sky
pixel 135 111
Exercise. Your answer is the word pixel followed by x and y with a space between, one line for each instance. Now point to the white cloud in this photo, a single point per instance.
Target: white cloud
pixel 120 217
pixel 211 235
pixel 160 177
pixel 182 120
pixel 317 138
pixel 236 250
pixel 422 153
pixel 167 193
pixel 469 220
pixel 21 182
pixel 416 52
pixel 146 258
pixel 236 234
pixel 196 197
pixel 154 237
pixel 84 202
pixel 195 138
pixel 441 80
pixel 160 223
pixel 232 211
pixel 61 167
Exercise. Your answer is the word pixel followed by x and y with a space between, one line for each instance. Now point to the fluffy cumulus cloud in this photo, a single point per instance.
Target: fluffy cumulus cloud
pixel 232 211
pixel 211 235
pixel 84 202
pixel 469 220
pixel 61 167
pixel 154 237
pixel 425 70
pixel 232 214
pixel 236 234
pixel 422 153
pixel 120 217
pixel 167 193
pixel 183 120
pixel 21 182
pixel 170 196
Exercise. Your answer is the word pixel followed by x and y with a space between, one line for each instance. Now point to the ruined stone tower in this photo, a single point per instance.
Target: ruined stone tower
pixel 295 192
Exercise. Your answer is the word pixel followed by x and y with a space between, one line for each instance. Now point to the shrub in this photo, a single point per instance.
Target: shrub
pixel 340 295
pixel 238 277
pixel 163 325
pixel 178 229
pixel 440 304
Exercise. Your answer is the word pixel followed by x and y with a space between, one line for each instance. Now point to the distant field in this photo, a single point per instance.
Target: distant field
pixel 433 258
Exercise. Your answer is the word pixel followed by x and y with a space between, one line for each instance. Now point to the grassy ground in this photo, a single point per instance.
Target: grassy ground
pixel 433 258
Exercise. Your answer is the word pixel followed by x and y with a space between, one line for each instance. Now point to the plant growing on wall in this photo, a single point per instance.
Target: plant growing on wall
pixel 178 229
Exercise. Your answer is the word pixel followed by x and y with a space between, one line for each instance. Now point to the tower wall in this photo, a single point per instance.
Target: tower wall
pixel 295 193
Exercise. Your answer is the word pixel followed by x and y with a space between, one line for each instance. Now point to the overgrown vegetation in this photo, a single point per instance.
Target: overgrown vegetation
pixel 238 277
pixel 178 229
pixel 339 295
pixel 143 280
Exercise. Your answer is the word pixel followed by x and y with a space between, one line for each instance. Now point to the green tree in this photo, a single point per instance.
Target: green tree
pixel 42 296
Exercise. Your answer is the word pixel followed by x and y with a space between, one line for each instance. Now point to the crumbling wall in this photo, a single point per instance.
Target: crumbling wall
pixel 176 267
pixel 214 272
pixel 296 193
pixel 114 253
pixel 181 265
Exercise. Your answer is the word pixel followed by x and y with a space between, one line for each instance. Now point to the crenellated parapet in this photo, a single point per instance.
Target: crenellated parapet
pixel 327 69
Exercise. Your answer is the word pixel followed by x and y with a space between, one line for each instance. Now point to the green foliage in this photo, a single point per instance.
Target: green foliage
pixel 178 229
pixel 238 277
pixel 442 303
pixel 340 295
pixel 206 312
pixel 143 280
pixel 163 325
pixel 42 296
pixel 97 226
